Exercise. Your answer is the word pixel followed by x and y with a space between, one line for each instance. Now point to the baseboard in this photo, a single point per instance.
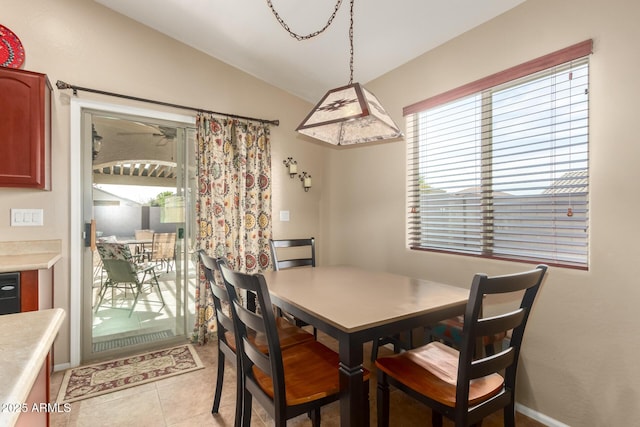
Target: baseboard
pixel 61 367
pixel 541 418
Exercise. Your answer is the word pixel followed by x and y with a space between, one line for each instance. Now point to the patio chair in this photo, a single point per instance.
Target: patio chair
pixel 143 234
pixel 124 273
pixel 163 250
pixel 463 385
pixel 143 239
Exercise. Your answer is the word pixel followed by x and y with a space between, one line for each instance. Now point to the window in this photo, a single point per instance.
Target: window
pixel 499 168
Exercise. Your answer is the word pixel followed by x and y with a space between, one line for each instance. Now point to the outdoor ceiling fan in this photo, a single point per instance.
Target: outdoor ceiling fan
pixel 165 133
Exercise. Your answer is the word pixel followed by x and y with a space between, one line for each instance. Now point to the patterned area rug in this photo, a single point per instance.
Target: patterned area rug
pixel 84 382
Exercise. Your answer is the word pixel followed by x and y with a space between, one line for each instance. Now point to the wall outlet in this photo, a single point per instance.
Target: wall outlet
pixel 284 216
pixel 27 217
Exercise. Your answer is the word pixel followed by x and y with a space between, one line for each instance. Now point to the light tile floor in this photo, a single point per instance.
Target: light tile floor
pixel 185 401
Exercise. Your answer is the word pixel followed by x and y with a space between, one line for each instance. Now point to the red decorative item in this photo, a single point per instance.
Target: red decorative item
pixel 11 50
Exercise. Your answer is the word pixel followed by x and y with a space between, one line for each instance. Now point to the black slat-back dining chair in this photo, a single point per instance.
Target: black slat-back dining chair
pixel 302 254
pixel 286 381
pixel 463 385
pixel 288 334
pixel 224 329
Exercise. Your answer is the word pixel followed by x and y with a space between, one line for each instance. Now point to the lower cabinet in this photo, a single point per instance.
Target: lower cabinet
pixel 37 399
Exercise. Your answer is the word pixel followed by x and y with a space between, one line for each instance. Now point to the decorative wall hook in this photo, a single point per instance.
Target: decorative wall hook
pixel 292 165
pixel 306 180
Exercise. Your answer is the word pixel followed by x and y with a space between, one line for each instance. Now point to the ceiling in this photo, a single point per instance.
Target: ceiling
pixel 246 35
pixel 133 153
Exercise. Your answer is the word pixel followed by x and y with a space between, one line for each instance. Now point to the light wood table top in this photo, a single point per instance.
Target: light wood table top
pixel 353 299
pixel 355 306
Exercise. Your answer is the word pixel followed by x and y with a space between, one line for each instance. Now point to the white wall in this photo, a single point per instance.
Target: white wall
pixel 580 358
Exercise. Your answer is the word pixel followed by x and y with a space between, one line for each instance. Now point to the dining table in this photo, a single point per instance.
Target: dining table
pixel 355 305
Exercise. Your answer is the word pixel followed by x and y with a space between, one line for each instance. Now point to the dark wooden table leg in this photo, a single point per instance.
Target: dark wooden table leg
pixel 352 399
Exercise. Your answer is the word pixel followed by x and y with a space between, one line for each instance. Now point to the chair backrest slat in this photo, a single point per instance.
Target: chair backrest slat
pixel 258 358
pixel 489 365
pixel 225 320
pixel 251 320
pixel 279 262
pixel 298 262
pixel 489 326
pixel 218 291
pixel 288 243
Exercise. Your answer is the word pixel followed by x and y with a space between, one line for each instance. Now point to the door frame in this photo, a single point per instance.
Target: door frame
pixel 76 243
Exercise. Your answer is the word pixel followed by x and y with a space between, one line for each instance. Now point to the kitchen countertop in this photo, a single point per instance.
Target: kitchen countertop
pixel 25 340
pixel 29 255
pixel 40 261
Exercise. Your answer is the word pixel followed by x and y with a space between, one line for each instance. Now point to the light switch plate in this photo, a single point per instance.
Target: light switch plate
pixel 284 216
pixel 27 217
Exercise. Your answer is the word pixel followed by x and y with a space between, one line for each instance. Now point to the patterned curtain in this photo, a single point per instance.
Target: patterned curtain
pixel 233 208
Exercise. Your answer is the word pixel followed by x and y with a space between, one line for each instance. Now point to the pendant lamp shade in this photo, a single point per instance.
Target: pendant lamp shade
pixel 349 115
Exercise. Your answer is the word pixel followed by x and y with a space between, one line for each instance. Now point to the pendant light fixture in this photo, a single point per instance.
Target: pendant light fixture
pixel 349 114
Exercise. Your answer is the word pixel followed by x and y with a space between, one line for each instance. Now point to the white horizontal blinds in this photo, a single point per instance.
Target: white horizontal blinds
pixel 503 172
pixel 445 169
pixel 539 149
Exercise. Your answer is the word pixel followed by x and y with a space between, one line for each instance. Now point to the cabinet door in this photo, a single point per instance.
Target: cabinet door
pixel 24 129
pixel 29 291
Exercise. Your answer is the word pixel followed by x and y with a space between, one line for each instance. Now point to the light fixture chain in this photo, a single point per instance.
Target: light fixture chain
pixel 315 33
pixel 351 44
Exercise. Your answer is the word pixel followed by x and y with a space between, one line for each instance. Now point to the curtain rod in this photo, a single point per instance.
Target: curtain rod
pixel 62 85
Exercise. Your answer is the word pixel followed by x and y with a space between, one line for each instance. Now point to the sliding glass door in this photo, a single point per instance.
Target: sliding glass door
pixel 138 273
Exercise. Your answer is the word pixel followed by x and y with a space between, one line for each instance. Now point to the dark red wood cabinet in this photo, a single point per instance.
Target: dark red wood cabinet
pixel 29 291
pixel 25 129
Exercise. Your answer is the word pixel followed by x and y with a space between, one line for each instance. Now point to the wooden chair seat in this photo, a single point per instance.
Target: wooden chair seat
pixel 450 331
pixel 288 333
pixel 416 368
pixel 310 373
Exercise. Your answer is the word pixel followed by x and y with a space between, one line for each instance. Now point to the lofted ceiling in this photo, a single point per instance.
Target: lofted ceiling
pixel 246 35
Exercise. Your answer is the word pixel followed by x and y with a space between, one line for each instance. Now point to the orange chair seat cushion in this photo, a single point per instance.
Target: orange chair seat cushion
pixel 432 370
pixel 310 373
pixel 451 331
pixel 289 335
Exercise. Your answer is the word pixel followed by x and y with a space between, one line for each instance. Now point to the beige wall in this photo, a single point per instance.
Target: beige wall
pixel 84 44
pixel 580 360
